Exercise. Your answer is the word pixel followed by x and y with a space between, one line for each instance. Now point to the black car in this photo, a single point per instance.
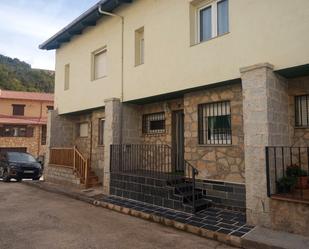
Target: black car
pixel 18 166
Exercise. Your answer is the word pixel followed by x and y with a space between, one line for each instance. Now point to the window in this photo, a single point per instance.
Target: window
pixel 67 77
pixel 139 47
pixel 302 111
pixel 101 131
pixel 154 123
pixel 213 20
pixel 83 130
pixel 18 110
pixel 50 108
pixel 99 64
pixel 43 135
pixel 214 121
pixel 16 131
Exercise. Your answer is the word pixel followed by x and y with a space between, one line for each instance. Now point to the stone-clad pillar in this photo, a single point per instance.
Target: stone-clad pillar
pixel 112 129
pixel 265 111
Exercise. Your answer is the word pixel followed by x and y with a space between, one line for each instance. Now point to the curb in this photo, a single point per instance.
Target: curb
pixel 221 237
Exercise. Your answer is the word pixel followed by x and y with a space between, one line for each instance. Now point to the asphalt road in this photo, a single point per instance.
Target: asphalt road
pixel 34 219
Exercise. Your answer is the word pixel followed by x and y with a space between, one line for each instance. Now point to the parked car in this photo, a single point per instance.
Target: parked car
pixel 18 166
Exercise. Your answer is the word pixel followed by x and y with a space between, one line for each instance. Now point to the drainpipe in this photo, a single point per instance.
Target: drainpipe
pixel 122 64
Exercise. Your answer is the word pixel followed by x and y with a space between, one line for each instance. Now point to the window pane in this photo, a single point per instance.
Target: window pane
pixel 154 123
pixel 100 65
pixel 302 110
pixel 205 24
pixel 215 123
pixel 223 17
pixel 83 130
pixel 101 131
pixel 66 76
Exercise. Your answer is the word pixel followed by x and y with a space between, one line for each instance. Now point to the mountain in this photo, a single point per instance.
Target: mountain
pixel 19 76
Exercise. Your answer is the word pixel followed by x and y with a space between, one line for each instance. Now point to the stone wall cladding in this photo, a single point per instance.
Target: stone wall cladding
pixel 61 175
pixel 224 194
pixel 167 107
pixel 216 162
pixel 297 87
pixel 89 146
pixel 265 124
pixel 290 216
pixel 60 130
pixel 33 144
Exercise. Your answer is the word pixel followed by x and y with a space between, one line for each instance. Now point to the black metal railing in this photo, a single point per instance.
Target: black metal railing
pixel 287 172
pixel 151 160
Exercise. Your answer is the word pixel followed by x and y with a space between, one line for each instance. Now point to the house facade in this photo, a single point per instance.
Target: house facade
pixel 210 90
pixel 23 121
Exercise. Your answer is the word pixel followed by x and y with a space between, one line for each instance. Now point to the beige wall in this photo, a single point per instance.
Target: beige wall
pixel 32 108
pixel 273 31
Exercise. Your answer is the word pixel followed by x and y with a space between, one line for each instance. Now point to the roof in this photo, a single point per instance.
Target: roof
pixel 4 119
pixel 88 18
pixel 4 94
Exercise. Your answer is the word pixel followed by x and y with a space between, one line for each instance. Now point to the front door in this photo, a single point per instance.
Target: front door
pixel 178 140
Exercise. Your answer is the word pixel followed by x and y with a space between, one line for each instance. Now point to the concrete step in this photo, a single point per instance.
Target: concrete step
pixel 263 238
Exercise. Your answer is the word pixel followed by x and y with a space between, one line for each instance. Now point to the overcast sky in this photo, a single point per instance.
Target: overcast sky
pixel 25 24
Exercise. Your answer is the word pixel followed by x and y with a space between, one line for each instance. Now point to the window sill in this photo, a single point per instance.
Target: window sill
pixel 154 134
pixel 140 64
pixel 100 78
pixel 215 145
pixel 211 39
pixel 301 127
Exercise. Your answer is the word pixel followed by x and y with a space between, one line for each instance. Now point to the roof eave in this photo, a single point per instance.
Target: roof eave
pixel 76 27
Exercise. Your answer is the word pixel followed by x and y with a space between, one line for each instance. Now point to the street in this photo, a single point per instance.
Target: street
pixel 34 219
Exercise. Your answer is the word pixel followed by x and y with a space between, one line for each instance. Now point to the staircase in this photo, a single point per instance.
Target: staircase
pixel 78 170
pixel 192 198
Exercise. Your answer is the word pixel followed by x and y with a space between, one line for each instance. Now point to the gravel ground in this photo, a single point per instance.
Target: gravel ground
pixel 32 218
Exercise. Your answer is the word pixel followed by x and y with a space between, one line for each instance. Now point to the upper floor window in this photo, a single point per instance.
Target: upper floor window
pixel 67 77
pixel 18 110
pixel 154 123
pixel 213 20
pixel 214 123
pixel 139 47
pixel 302 111
pixel 99 64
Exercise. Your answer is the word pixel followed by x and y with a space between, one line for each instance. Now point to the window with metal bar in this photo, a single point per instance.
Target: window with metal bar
pixel 154 123
pixel 43 135
pixel 214 123
pixel 302 111
pixel 16 131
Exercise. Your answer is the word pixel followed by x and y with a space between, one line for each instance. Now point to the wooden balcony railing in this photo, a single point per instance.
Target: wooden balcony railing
pixel 71 157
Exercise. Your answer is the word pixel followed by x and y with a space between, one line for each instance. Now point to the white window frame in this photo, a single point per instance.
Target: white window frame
pixel 93 71
pixel 214 20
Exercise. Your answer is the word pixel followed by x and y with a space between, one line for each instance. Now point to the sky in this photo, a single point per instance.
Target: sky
pixel 25 24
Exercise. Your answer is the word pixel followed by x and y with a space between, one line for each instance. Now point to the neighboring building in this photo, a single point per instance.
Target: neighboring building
pixel 207 83
pixel 23 120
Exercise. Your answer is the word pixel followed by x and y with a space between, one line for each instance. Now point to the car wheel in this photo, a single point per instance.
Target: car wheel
pixel 19 179
pixel 36 178
pixel 5 176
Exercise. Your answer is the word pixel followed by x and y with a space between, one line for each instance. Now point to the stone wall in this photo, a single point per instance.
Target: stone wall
pixel 216 162
pixel 289 216
pixel 61 175
pixel 33 144
pixel 168 107
pixel 297 87
pixel 60 130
